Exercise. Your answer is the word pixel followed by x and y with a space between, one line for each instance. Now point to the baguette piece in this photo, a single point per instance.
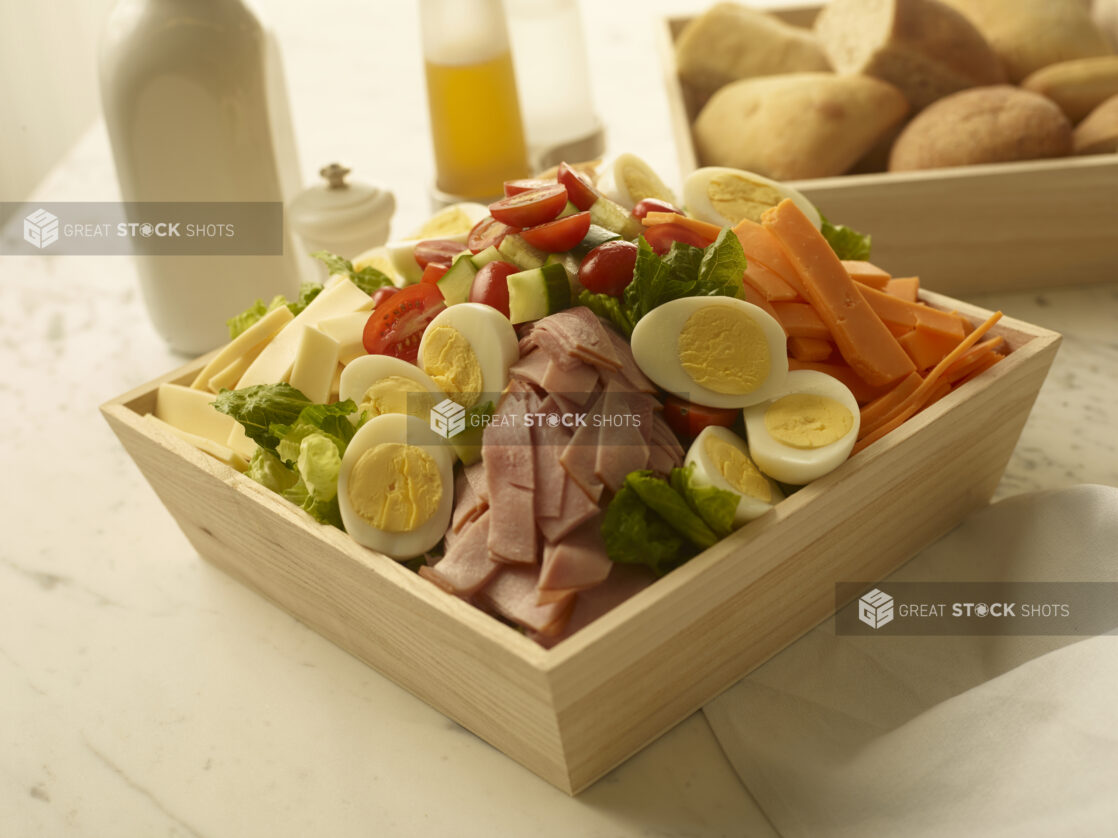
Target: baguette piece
pixel 983 125
pixel 729 42
pixel 800 125
pixel 923 47
pixel 1078 86
pixel 1030 34
pixel 1098 133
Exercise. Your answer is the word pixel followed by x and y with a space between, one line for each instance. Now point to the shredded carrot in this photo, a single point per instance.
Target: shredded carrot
pixel 810 349
pixel 769 283
pixel 866 273
pixel 883 405
pixel 905 287
pixel 800 320
pixel 920 395
pixel 702 228
pixel 858 332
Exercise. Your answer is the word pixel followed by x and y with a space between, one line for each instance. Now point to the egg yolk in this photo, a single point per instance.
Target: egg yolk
pixel 724 350
pixel 737 469
pixel 805 420
pixel 452 364
pixel 396 394
pixel 395 487
pixel 734 197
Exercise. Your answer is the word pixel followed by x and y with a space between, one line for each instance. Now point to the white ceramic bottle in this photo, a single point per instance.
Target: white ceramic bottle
pixel 196 111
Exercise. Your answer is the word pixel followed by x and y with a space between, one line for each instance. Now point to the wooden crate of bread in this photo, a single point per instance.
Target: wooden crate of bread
pixel 572 712
pixel 965 229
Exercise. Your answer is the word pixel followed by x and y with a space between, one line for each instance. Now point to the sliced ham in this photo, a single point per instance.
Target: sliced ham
pixel 637 379
pixel 577 508
pixel 576 384
pixel 467 566
pixel 468 505
pixel 624 581
pixel 577 562
pixel 577 334
pixel 620 446
pixel 512 594
pixel 548 443
pixel 532 367
pixel 475 475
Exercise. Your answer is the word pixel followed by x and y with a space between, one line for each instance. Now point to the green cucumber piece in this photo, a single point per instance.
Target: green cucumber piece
pixel 490 254
pixel 514 249
pixel 614 217
pixel 569 209
pixel 538 292
pixel 455 283
pixel 570 264
pixel 595 236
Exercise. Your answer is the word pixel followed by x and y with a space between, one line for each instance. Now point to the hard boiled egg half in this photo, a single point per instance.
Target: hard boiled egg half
pixel 467 351
pixel 713 351
pixel 807 431
pixel 396 486
pixel 721 459
pixel 725 196
pixel 627 180
pixel 382 384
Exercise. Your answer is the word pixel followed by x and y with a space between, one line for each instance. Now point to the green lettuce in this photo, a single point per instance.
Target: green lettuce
pixel 240 322
pixel 659 496
pixel 847 243
pixel 611 308
pixel 715 506
pixel 634 534
pixel 368 279
pixel 259 407
pixel 269 471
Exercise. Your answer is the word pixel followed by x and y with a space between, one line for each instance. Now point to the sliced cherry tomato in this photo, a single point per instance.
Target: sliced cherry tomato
pixel 396 325
pixel 434 272
pixel 661 236
pixel 382 294
pixel 491 285
pixel 687 418
pixel 608 268
pixel 647 205
pixel 489 232
pixel 580 191
pixel 530 208
pixel 559 235
pixel 440 251
pixel 515 187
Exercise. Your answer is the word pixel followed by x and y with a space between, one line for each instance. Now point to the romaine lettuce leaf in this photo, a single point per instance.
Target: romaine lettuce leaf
pixel 259 407
pixel 368 279
pixel 240 322
pixel 269 471
pixel 659 496
pixel 634 534
pixel 715 506
pixel 847 243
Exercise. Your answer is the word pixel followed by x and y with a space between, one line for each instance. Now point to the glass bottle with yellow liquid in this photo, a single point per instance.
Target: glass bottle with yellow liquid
pixel 476 126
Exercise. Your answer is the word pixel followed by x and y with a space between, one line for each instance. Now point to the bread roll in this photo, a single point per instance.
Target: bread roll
pixel 924 48
pixel 1078 86
pixel 1098 133
pixel 730 42
pixel 800 125
pixel 1030 34
pixel 983 125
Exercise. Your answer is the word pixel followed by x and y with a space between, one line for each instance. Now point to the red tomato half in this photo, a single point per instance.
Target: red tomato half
pixel 580 191
pixel 396 325
pixel 491 285
pixel 489 232
pixel 608 268
pixel 434 272
pixel 661 236
pixel 688 419
pixel 647 205
pixel 439 251
pixel 515 187
pixel 559 235
pixel 527 209
pixel 382 294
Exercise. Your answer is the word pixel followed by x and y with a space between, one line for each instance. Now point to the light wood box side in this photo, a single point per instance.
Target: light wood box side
pixel 966 230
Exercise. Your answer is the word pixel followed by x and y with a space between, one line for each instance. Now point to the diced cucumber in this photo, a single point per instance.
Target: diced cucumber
pixel 569 209
pixel 594 236
pixel 538 292
pixel 490 254
pixel 570 264
pixel 614 217
pixel 455 283
pixel 514 249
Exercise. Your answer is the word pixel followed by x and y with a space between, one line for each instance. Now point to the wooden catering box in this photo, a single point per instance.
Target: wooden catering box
pixel 963 230
pixel 575 711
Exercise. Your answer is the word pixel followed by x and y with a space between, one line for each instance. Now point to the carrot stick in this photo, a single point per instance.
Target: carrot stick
pixel 800 320
pixel 810 349
pixel 858 332
pixel 920 395
pixel 866 273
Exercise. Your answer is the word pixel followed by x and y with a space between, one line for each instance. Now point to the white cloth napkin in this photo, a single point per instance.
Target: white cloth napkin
pixel 933 736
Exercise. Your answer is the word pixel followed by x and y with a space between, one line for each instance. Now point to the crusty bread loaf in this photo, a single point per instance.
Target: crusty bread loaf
pixel 1030 34
pixel 800 125
pixel 924 48
pixel 982 125
pixel 1098 133
pixel 1078 86
pixel 730 42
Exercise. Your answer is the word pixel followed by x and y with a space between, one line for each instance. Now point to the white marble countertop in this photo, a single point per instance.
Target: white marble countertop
pixel 144 693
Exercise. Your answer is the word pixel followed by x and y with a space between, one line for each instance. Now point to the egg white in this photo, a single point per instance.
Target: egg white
pixel 707 473
pixel 396 427
pixel 655 349
pixel 798 466
pixel 611 182
pixel 697 198
pixel 362 373
pixel 490 335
